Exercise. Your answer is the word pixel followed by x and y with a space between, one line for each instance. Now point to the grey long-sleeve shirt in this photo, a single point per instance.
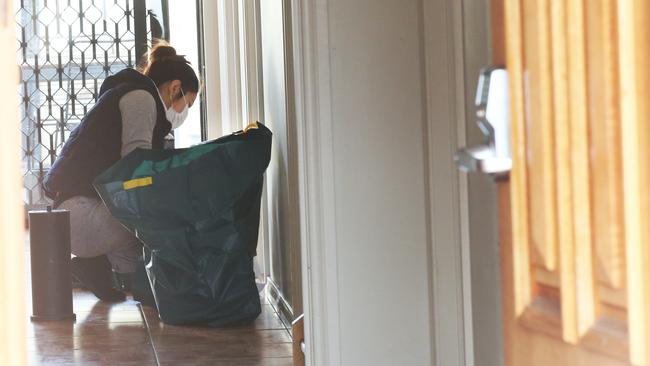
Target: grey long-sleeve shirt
pixel 139 113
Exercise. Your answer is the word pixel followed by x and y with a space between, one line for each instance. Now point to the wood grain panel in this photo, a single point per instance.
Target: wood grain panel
pixel 525 345
pixel 298 335
pixel 580 166
pixel 539 130
pixel 497 18
pixel 614 297
pixel 579 198
pixel 519 259
pixel 546 278
pixel 563 165
pixel 604 117
pixel 634 59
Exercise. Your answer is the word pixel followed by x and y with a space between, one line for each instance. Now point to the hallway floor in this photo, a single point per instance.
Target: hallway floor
pixel 129 334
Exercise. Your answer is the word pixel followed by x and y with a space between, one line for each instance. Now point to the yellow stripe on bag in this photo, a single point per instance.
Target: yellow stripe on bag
pixel 135 183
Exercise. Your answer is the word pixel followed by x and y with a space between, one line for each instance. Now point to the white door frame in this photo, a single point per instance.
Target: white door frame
pixel 211 70
pixel 451 331
pixel 445 89
pixel 316 181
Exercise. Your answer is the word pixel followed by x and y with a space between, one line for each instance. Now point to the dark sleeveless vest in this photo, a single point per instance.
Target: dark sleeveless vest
pixel 96 144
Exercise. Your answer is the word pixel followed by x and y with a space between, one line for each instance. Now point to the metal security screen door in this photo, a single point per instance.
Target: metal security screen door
pixel 66 48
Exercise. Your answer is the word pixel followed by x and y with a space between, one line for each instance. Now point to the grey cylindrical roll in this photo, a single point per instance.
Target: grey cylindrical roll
pixel 49 236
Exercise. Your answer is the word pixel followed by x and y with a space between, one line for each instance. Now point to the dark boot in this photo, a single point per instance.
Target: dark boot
pixel 96 275
pixel 123 281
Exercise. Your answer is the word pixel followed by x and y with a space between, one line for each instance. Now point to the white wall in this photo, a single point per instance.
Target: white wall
pixel 379 125
pixel 381 220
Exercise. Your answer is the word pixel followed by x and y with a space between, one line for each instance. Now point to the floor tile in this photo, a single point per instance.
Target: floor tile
pixel 69 329
pixel 219 335
pixel 276 361
pixel 253 344
pixel 117 347
pixel 129 334
pixel 268 319
pixel 103 334
pixel 180 348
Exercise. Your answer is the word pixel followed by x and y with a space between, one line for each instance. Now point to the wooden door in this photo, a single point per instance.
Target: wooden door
pixel 575 212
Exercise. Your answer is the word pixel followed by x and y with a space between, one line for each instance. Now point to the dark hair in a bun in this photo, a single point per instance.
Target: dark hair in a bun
pixel 162 64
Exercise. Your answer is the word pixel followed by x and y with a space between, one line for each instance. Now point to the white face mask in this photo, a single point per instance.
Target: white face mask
pixel 174 117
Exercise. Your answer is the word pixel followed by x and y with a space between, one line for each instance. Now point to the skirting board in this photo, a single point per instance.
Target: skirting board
pixel 280 305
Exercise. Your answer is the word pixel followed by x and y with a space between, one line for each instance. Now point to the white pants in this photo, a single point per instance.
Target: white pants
pixel 94 232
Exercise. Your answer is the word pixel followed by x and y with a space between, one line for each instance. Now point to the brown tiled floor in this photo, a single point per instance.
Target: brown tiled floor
pixel 129 334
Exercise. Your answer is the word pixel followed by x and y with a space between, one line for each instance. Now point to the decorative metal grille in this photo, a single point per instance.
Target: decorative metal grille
pixel 66 49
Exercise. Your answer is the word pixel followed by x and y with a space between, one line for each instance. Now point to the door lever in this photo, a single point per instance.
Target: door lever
pixel 493 155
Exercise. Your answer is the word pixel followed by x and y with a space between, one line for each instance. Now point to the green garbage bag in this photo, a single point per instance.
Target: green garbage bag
pixel 197 212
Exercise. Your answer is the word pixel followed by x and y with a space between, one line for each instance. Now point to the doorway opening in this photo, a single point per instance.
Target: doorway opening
pixel 67 48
